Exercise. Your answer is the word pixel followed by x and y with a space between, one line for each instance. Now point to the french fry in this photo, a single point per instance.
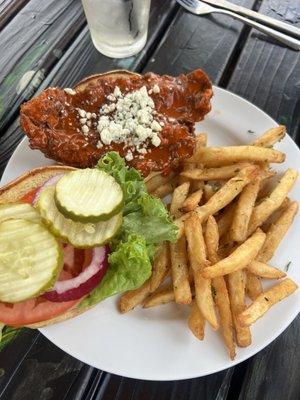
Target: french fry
pixel 197 258
pixel 178 198
pixel 208 174
pixel 239 258
pixel 211 236
pixel 222 197
pixel 253 285
pixel 226 321
pixel 276 232
pixel 161 265
pixel 156 179
pixel 226 249
pixel 265 271
pixel 151 176
pixel 196 244
pixel 225 220
pixel 266 300
pixel 264 184
pixel 276 214
pixel 243 211
pixel 201 140
pixel 265 175
pixel 196 321
pixel 164 190
pixel 161 296
pixel 218 156
pixel 227 192
pixel 196 185
pixel 180 272
pixel 132 298
pixel 270 137
pixel 208 192
pixel 186 167
pixel 219 285
pixel 236 288
pixel 192 201
pixel 262 212
pixel 204 299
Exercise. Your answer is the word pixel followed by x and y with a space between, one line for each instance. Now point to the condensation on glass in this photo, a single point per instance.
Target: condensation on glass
pixel 118 27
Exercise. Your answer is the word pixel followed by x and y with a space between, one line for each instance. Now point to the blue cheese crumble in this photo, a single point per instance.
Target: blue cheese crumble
pixel 129 119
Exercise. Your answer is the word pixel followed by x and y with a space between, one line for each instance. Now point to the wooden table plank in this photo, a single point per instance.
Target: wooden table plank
pixel 89 383
pixel 207 42
pixel 8 9
pixel 30 45
pixel 268 74
pixel 17 353
pixel 42 373
pixel 273 374
pixel 213 387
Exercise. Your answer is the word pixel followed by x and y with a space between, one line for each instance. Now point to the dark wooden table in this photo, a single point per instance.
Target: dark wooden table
pixel 47 43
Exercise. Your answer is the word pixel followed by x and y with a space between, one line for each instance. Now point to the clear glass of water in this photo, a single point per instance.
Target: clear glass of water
pixel 118 27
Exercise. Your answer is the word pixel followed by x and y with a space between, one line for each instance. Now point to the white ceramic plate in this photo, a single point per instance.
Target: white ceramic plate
pixel 155 344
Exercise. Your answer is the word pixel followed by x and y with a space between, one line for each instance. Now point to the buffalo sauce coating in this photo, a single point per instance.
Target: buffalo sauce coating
pixel 52 125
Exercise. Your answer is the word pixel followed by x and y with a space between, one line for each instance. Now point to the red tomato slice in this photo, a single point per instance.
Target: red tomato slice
pixel 32 311
pixel 39 309
pixel 29 197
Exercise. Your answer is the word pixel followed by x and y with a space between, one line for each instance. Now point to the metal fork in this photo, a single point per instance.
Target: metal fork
pixel 199 8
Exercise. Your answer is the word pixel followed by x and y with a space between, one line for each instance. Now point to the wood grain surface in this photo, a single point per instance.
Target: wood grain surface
pixel 8 9
pixel 207 42
pixel 30 45
pixel 274 372
pixel 268 74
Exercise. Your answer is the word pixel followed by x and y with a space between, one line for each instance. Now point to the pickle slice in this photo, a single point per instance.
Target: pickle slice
pixel 19 210
pixel 30 260
pixel 88 195
pixel 81 235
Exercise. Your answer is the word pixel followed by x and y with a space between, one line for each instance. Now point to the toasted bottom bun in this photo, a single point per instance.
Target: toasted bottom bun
pixel 18 188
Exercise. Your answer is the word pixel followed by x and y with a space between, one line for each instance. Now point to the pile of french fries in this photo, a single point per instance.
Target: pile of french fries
pixel 230 225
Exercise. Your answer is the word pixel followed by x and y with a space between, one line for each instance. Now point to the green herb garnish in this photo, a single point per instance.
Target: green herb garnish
pixel 287 267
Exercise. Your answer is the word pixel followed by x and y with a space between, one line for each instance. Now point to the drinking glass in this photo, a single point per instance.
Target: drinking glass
pixel 118 27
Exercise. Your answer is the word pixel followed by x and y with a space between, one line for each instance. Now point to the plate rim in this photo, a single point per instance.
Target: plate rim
pixel 209 371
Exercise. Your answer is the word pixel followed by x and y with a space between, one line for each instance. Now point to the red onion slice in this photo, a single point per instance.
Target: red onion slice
pixel 50 182
pixel 90 277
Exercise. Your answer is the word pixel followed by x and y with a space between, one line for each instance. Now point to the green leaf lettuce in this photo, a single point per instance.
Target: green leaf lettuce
pixel 146 224
pixel 129 268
